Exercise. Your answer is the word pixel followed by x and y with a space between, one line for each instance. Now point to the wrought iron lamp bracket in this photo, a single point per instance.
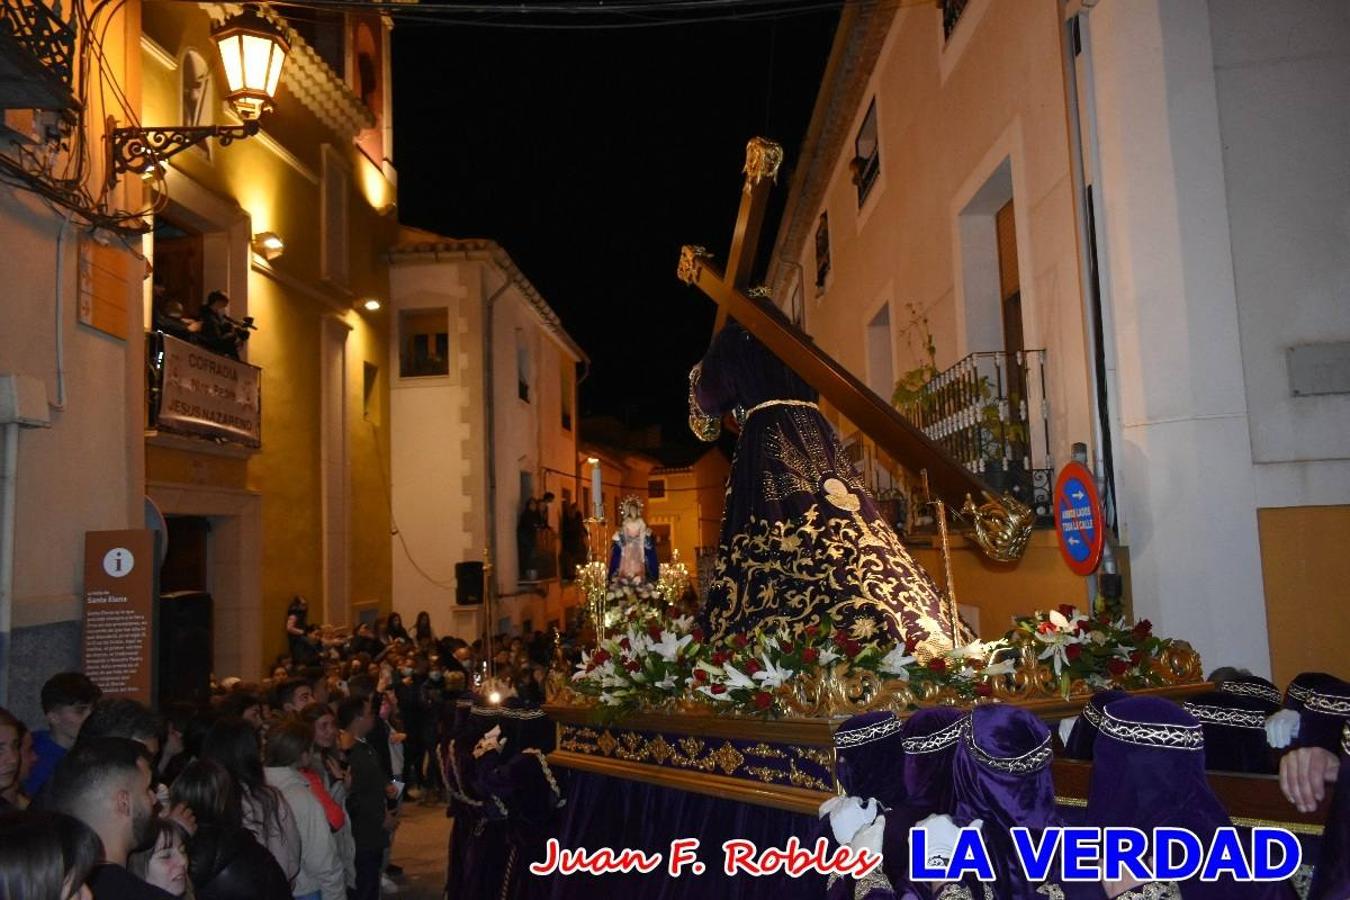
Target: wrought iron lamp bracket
pixel 141 149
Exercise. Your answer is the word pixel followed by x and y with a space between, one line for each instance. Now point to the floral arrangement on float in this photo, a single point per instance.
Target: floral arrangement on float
pixel 670 665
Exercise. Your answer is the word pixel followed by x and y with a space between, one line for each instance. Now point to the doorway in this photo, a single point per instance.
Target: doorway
pixel 185 563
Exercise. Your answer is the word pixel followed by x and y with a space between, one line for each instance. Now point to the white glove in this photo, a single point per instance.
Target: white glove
pixel 848 815
pixel 869 837
pixel 493 740
pixel 941 834
pixel 1282 728
pixel 1066 729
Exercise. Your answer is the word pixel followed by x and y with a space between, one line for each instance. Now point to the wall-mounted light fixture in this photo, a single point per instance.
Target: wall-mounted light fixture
pixel 372 304
pixel 268 245
pixel 253 51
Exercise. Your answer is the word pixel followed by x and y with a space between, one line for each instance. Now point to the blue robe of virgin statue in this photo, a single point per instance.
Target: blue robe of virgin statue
pixel 801 536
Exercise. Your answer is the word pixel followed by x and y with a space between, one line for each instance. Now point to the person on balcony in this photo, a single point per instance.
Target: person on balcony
pixel 802 539
pixel 220 333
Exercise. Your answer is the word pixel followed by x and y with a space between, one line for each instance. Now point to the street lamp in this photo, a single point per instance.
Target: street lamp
pixel 253 51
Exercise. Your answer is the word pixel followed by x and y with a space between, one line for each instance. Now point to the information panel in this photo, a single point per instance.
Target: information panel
pixel 119 612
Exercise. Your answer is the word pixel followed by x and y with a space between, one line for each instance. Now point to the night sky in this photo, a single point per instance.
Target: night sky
pixel 591 157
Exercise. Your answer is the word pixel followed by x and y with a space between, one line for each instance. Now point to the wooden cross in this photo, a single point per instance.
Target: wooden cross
pixel 893 433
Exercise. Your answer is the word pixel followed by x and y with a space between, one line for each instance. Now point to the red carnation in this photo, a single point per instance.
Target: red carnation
pixel 1142 629
pixel 840 638
pixel 1083 627
pixel 937 664
pixel 654 631
pixel 911 643
pixel 762 700
pixel 719 688
pixel 1067 610
pixel 852 648
pixel 812 631
pixel 983 689
pixel 1073 651
pixel 810 655
pixel 789 648
pixel 600 657
pixel 700 675
pixel 1136 657
pixel 1117 667
pixel 720 657
pixel 1046 627
pixel 625 644
pixel 698 635
pixel 739 640
pixel 752 666
pixel 632 665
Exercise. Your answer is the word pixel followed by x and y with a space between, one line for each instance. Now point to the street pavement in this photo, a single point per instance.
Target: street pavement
pixel 420 847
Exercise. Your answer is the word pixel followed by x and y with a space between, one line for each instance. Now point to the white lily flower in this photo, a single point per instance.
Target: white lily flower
pixel 1004 667
pixel 827 656
pixel 683 623
pixel 737 679
pixel 667 683
pixel 976 649
pixel 1058 620
pixel 894 663
pixel 771 676
pixel 669 646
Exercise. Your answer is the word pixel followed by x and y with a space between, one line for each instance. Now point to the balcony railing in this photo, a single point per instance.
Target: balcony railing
pixel 194 392
pixel 37 52
pixel 989 411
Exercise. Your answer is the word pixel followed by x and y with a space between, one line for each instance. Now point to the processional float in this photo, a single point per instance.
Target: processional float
pixel 658 721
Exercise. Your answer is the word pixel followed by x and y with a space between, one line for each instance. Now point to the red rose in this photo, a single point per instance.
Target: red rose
pixel 1067 610
pixel 632 665
pixel 625 644
pixel 762 700
pixel 1142 629
pixel 720 657
pixel 810 655
pixel 812 631
pixel 937 664
pixel 983 689
pixel 840 638
pixel 698 635
pixel 1117 667
pixel 910 644
pixel 739 640
pixel 1046 627
pixel 700 675
pixel 719 688
pixel 852 648
pixel 789 648
pixel 654 631
pixel 1083 627
pixel 752 666
pixel 1136 657
pixel 672 612
pixel 1073 651
pixel 600 657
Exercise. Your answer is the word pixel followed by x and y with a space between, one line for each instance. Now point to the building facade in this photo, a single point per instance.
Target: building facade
pixel 483 400
pixel 1097 223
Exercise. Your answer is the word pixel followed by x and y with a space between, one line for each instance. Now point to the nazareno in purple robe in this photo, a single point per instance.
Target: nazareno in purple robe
pixel 801 536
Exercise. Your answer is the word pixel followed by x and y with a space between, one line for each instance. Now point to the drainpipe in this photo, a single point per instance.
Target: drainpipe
pixel 9 485
pixel 490 590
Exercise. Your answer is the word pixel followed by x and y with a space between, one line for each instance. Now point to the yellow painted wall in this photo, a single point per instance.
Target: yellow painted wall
pixel 1307 579
pixel 280 194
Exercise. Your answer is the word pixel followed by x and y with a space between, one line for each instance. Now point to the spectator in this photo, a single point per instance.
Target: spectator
pixel 293 695
pixel 105 783
pixel 125 718
pixel 45 856
pixel 372 821
pixel 12 733
pixel 228 864
pixel 234 744
pixel 67 699
pixel 328 764
pixel 243 705
pixel 163 862
pixel 321 875
pixel 220 333
pixel 423 636
pixel 394 630
pixel 174 755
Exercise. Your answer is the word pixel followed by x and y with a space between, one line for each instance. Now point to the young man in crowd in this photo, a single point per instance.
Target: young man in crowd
pixel 105 783
pixel 67 699
pixel 371 819
pixel 293 695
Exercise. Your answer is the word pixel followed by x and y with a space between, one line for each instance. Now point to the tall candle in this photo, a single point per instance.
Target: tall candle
pixel 597 502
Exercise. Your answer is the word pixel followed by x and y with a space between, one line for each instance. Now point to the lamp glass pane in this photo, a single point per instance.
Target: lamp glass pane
pixel 231 57
pixel 274 76
pixel 257 52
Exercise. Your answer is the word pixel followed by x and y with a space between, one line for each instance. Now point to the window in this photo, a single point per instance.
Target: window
pixel 333 219
pixel 424 343
pixel 866 154
pixel 567 391
pixel 656 489
pixel 522 368
pixel 822 251
pixel 369 379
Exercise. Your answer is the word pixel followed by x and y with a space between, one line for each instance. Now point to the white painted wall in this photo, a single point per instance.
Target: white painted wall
pixel 1184 472
pixel 1284 118
pixel 85 472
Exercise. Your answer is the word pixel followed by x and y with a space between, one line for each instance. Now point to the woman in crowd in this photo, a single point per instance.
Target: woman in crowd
pixel 328 766
pixel 234 745
pixel 12 734
pixel 321 875
pixel 423 637
pixel 394 630
pixel 46 856
pixel 164 861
